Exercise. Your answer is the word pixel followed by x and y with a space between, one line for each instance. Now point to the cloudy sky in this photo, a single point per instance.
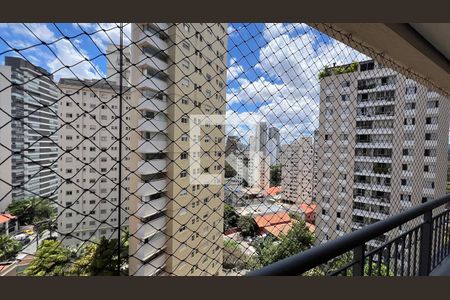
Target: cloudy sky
pixel 272 68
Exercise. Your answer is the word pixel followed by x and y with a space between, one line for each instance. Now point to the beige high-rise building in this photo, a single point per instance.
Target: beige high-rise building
pixel 177 222
pixel 113 64
pixel 297 171
pixel 382 148
pixel 89 161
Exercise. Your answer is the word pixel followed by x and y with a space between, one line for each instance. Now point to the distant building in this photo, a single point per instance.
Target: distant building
pixel 297 171
pixel 9 224
pixel 259 160
pixel 273 145
pixel 89 161
pixel 383 142
pixel 113 64
pixel 34 126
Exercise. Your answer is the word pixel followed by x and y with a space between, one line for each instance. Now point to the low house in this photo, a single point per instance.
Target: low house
pixel 274 223
pixel 273 193
pixel 9 224
pixel 309 211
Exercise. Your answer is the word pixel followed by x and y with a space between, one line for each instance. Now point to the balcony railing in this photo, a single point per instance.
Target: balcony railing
pixel 417 251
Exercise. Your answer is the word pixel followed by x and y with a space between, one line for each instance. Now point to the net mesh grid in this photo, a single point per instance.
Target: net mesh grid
pixel 211 149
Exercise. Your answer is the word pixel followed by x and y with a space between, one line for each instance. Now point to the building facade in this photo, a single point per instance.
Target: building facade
pixel 382 148
pixel 113 64
pixel 34 139
pixel 259 159
pixel 5 138
pixel 273 145
pixel 297 171
pixel 89 161
pixel 179 77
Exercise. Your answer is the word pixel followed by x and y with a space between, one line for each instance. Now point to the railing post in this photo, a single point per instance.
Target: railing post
pixel 358 257
pixel 425 244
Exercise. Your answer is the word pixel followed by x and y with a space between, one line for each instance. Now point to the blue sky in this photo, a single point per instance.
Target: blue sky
pixel 272 68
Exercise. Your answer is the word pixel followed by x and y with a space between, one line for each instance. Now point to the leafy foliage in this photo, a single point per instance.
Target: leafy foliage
pixel 234 257
pixel 100 259
pixel 9 248
pixel 52 259
pixel 95 259
pixel 298 239
pixel 327 71
pixel 248 226
pixel 275 175
pixel 33 210
pixel 344 260
pixel 230 217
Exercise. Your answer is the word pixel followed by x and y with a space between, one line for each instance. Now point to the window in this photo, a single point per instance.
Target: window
pixel 185 82
pixel 183 174
pixel 185 63
pixel 186 27
pixel 184 119
pixel 184 155
pixel 344 97
pixel 411 90
pixel 186 45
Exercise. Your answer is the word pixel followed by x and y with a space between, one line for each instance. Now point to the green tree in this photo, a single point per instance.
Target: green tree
pixel 234 257
pixel 229 170
pixel 8 248
pixel 101 258
pixel 31 210
pixel 230 217
pixel 344 260
pixel 298 239
pixel 52 259
pixel 248 226
pixel 275 175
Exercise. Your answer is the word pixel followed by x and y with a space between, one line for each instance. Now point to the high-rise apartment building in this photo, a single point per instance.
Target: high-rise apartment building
pixel 382 147
pixel 89 160
pixel 259 160
pixel 34 108
pixel 5 138
pixel 297 171
pixel 113 55
pixel 178 78
pixel 273 145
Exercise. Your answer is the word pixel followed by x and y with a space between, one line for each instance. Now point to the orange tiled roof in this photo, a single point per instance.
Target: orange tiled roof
pixel 6 217
pixel 272 191
pixel 278 229
pixel 308 208
pixel 272 219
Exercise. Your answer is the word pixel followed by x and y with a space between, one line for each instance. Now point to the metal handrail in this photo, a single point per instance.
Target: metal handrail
pixel 304 261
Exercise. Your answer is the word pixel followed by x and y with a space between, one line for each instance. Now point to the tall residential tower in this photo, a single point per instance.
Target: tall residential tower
pixel 178 78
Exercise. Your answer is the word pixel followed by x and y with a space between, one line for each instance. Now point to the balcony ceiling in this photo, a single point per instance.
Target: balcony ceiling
pixel 437 34
pixel 421 47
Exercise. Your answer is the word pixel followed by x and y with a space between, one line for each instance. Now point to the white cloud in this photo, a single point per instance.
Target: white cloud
pixel 234 70
pixel 104 34
pixel 288 93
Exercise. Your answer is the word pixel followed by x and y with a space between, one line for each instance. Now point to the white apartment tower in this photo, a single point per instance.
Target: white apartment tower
pixel 113 64
pixel 297 171
pixel 382 147
pixel 89 161
pixel 179 71
pixel 259 160
pixel 34 105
